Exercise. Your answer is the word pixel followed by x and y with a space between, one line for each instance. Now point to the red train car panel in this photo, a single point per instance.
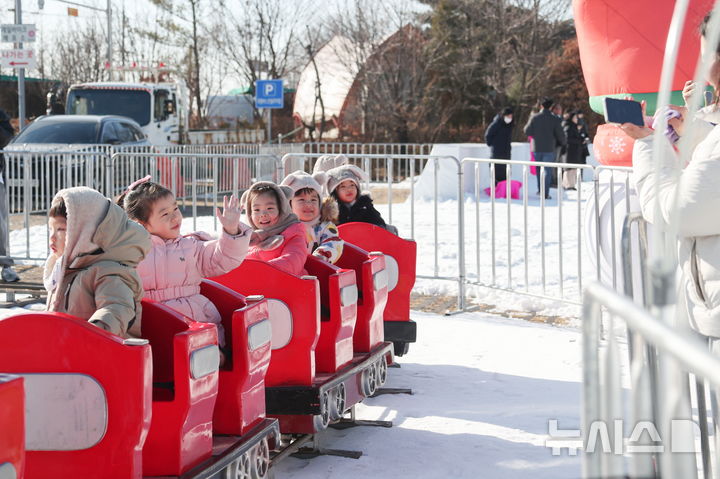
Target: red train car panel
pixel 400 261
pixel 241 397
pixel 372 282
pixel 294 312
pixel 12 427
pixel 338 312
pixel 88 396
pixel 185 384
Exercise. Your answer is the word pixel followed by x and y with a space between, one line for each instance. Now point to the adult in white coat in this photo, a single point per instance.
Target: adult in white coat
pixel 691 197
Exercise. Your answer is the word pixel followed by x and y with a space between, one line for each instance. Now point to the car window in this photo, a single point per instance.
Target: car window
pixel 124 132
pixel 137 133
pixel 110 133
pixel 59 132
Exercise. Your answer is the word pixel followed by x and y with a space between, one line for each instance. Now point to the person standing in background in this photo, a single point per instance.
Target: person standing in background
pixel 547 133
pixel 498 137
pixel 573 154
pixel 8 274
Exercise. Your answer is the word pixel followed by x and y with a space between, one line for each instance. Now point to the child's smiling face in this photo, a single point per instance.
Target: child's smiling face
pixel 306 205
pixel 165 218
pixel 347 191
pixel 265 212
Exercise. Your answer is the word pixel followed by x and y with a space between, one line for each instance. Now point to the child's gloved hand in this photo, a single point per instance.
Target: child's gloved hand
pixel 230 216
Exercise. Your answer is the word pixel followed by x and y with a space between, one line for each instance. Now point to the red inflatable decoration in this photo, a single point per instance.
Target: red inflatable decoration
pixel 622 46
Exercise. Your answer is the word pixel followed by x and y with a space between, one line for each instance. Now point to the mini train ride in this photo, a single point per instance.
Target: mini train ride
pixel 301 352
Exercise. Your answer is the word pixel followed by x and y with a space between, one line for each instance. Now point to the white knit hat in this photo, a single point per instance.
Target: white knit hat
pixel 345 172
pixel 328 162
pixel 298 180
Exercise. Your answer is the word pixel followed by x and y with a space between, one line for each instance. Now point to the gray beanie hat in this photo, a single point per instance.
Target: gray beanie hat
pixel 345 172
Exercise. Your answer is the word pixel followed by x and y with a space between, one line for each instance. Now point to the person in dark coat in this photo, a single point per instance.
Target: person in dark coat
pixel 547 133
pixel 574 152
pixel 498 137
pixel 7 274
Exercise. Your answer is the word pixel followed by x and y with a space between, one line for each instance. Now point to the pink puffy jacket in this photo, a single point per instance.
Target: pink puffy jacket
pixel 171 273
pixel 291 255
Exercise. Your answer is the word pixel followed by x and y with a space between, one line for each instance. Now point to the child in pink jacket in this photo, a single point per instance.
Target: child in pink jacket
pixel 279 237
pixel 171 273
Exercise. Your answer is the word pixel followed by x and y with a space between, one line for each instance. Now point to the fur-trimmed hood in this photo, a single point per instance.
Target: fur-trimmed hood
pixel 329 211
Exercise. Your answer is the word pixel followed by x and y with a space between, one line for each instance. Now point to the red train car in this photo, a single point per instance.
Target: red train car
pixel 99 406
pixel 305 397
pixel 400 261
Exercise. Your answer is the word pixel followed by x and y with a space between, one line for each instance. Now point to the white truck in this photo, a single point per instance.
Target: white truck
pixel 159 108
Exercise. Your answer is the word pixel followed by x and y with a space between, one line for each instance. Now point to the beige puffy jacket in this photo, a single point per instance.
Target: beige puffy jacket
pixel 102 249
pixel 694 191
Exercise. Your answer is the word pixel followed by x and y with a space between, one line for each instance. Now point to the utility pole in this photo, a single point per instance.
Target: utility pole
pixel 109 45
pixel 21 71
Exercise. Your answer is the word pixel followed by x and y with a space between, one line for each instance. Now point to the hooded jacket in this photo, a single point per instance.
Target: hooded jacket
pixel 173 269
pixel 361 210
pixel 287 248
pixel 98 280
pixel 693 191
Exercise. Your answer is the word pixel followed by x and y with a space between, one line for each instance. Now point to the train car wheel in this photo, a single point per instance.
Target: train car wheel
pixel 382 367
pixel 261 460
pixel 239 469
pixel 369 380
pixel 323 419
pixel 337 405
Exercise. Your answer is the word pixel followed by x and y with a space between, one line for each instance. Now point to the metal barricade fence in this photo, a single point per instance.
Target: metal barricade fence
pixel 498 255
pixel 635 254
pixel 406 223
pixel 657 412
pixel 375 169
pixel 495 253
pixel 197 179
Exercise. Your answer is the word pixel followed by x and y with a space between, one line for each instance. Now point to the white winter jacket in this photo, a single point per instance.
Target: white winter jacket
pixel 695 191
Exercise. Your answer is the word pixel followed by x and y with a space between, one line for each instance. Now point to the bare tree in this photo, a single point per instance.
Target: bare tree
pixel 184 27
pixel 260 37
pixel 80 57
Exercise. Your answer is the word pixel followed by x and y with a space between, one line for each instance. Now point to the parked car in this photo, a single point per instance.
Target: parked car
pixel 60 151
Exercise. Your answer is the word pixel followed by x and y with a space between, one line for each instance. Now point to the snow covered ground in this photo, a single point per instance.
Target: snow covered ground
pixel 484 390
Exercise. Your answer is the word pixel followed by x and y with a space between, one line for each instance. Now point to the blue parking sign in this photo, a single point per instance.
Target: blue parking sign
pixel 269 94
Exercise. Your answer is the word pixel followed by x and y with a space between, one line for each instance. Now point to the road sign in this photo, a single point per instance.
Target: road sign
pixel 18 59
pixel 269 94
pixel 17 33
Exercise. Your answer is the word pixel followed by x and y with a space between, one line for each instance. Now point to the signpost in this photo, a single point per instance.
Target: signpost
pixel 17 33
pixel 17 59
pixel 269 94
